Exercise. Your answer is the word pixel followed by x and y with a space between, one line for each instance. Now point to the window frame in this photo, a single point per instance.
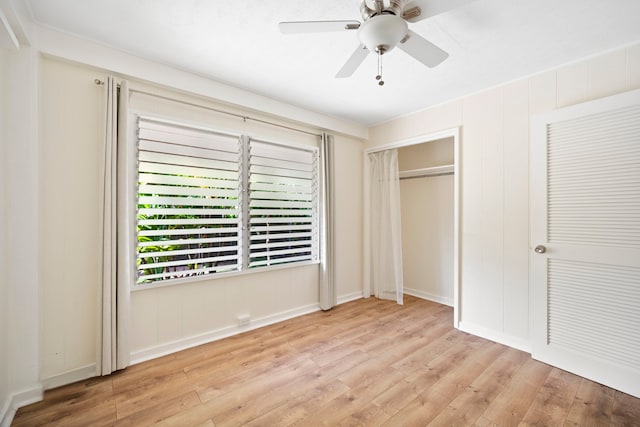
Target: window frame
pixel 243 222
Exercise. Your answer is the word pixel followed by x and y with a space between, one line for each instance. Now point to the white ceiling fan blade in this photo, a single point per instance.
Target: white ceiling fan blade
pixel 353 62
pixel 423 50
pixel 428 8
pixel 297 27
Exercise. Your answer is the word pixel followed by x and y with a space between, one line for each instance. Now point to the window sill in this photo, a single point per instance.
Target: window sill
pixel 217 276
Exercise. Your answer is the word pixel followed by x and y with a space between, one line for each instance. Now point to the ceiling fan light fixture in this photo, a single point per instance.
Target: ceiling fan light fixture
pixel 382 32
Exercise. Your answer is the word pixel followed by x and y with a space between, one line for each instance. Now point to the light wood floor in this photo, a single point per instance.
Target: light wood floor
pixel 368 363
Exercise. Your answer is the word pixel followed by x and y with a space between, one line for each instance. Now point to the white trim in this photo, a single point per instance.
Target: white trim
pixel 287 144
pixel 68 377
pixel 20 17
pixel 443 134
pixel 6 417
pixel 366 226
pixel 138 114
pixel 434 136
pixel 6 413
pixel 350 297
pixel 496 336
pixel 8 38
pixel 456 227
pixel 612 102
pixel 429 297
pixel 18 400
pixel 143 355
pixel 27 397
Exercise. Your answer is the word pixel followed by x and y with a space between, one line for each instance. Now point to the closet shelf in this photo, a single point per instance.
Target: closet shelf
pixel 423 172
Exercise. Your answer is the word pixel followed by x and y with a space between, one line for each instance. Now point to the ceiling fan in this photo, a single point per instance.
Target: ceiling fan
pixel 384 26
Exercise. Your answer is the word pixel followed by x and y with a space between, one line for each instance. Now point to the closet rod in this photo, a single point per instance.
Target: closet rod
pixel 191 104
pixel 428 172
pixel 428 175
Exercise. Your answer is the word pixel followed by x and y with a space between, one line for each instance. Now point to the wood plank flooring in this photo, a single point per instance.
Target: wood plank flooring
pixel 366 363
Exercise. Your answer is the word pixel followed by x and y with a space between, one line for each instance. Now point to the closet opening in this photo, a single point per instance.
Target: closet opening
pixel 428 174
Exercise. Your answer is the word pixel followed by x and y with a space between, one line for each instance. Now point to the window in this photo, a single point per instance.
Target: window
pixel 282 204
pixel 211 202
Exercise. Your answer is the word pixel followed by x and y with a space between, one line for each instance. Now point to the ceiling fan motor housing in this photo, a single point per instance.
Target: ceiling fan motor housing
pixel 395 7
pixel 382 33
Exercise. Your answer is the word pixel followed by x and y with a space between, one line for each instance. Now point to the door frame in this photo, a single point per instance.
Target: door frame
pixel 429 137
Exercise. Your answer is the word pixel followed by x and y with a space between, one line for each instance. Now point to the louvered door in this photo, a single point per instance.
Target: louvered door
pixel 585 240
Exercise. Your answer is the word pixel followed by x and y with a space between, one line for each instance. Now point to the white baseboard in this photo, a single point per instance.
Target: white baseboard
pixel 497 336
pixel 6 414
pixel 430 297
pixel 68 377
pixel 6 418
pixel 196 340
pixel 350 297
pixel 18 400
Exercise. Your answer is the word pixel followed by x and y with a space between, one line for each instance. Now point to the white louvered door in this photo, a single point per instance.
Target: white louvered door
pixel 585 225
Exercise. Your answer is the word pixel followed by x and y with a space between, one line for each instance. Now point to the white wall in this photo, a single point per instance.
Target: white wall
pixel 348 221
pixel 20 233
pixel 169 318
pixel 5 390
pixel 427 154
pixel 427 222
pixel 70 123
pixel 494 180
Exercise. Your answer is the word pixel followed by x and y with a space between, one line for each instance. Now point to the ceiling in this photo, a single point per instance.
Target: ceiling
pixel 238 42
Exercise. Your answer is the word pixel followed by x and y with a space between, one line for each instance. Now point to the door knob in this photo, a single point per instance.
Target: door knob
pixel 540 249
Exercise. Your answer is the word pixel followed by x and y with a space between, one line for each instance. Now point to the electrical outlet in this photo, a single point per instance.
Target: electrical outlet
pixel 243 319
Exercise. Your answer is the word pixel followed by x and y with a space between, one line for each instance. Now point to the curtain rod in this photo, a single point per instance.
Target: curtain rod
pixel 191 104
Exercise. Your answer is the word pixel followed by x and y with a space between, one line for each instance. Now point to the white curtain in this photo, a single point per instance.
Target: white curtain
pixel 328 297
pixel 116 226
pixel 386 237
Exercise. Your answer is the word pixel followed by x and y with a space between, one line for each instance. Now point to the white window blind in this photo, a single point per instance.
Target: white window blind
pixel 189 196
pixel 283 224
pixel 211 202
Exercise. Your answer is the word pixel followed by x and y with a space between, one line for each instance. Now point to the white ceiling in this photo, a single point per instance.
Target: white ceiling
pixel 238 42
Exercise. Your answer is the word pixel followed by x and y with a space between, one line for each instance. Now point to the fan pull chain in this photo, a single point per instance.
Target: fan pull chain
pixel 379 76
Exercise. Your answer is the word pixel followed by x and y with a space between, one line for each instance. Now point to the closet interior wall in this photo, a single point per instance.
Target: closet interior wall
pixel 427 205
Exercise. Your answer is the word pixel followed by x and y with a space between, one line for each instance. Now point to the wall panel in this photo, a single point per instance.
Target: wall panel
pixel 22 169
pixel 608 74
pixel 515 123
pixel 349 211
pixel 633 67
pixel 4 285
pixel 70 122
pixel 542 93
pixel 573 84
pixel 492 209
pixel 471 247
